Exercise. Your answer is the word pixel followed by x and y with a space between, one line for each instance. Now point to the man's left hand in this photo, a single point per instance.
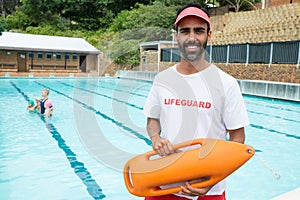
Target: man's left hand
pixel 191 191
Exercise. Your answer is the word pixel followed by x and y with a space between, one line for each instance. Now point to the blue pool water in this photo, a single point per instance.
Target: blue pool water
pixel 98 125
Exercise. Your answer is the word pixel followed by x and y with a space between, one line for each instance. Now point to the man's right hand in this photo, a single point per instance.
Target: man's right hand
pixel 162 146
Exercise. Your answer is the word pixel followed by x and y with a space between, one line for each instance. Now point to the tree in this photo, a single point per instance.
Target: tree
pixel 142 16
pixel 2 25
pixel 18 21
pixel 142 23
pixel 180 2
pixel 239 5
pixel 116 6
pixel 8 7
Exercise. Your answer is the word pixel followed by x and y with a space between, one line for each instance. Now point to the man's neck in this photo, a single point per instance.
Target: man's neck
pixel 186 67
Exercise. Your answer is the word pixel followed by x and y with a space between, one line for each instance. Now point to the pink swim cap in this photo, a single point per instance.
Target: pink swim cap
pixel 48 104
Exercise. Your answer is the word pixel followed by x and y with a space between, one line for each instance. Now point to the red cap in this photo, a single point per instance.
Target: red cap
pixel 192 11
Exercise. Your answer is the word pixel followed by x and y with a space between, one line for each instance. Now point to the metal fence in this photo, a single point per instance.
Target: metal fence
pixel 266 53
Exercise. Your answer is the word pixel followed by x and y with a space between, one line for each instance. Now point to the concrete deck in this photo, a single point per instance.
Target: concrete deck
pixel 291 195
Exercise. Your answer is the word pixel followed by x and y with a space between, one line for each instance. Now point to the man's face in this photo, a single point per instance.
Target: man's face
pixel 192 37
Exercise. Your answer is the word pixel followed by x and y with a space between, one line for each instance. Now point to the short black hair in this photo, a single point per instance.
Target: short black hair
pixel 192 4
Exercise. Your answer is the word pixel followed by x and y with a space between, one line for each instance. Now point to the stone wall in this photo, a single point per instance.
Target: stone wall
pixel 276 72
pixel 273 24
pixel 151 61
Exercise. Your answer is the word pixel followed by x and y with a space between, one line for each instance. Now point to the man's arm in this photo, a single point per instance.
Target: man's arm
pixel 153 127
pixel 162 146
pixel 237 135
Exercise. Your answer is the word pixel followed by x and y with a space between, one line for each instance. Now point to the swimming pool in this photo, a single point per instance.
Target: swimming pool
pixel 98 124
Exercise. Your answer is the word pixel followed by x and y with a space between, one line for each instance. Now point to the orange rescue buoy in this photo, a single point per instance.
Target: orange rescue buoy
pixel 212 160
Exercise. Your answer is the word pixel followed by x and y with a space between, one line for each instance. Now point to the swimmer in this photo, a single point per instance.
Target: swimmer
pixel 48 108
pixel 46 104
pixel 31 106
pixel 38 104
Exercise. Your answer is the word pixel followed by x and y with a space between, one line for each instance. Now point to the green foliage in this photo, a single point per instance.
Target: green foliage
pixel 2 25
pixel 143 23
pixel 110 25
pixel 119 49
pixel 126 52
pixel 86 14
pixel 120 21
pixel 156 15
pixel 8 7
pixel 81 14
pixel 53 30
pixel 18 21
pixel 180 2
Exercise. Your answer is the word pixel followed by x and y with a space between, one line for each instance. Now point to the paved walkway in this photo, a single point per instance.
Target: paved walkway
pixel 291 195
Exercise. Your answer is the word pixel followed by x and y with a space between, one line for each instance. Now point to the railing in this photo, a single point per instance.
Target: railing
pixel 52 67
pixel 141 75
pixel 277 90
pixel 8 66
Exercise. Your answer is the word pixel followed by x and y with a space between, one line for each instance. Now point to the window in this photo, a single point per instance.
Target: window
pixel 170 55
pixel 58 56
pixel 49 56
pixel 40 55
pixel 30 55
pixel 75 57
pixel 67 56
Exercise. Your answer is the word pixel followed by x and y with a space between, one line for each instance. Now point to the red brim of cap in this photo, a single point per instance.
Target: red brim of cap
pixel 192 11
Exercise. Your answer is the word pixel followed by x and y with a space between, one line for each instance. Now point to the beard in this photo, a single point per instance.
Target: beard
pixel 195 55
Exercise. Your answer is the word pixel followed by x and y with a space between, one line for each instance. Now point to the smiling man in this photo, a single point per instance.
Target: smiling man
pixel 193 99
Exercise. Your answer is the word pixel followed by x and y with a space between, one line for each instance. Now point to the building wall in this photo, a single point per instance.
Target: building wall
pixel 57 61
pixel 8 60
pixel 151 60
pixel 52 63
pixel 91 63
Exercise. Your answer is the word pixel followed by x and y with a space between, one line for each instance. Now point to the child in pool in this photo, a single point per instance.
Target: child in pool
pixel 46 104
pixel 38 104
pixel 48 108
pixel 31 106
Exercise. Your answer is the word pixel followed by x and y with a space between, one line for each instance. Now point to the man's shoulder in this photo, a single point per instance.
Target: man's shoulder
pixel 165 74
pixel 166 71
pixel 223 74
